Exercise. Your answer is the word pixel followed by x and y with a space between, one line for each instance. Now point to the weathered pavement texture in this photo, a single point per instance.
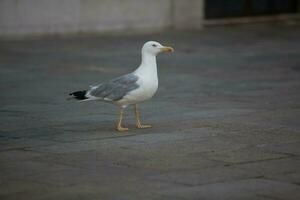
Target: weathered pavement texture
pixel 225 119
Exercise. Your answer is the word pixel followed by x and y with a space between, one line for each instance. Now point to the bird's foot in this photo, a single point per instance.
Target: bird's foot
pixel 122 129
pixel 143 126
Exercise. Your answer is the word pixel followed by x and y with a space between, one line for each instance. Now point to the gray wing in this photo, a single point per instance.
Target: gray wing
pixel 115 89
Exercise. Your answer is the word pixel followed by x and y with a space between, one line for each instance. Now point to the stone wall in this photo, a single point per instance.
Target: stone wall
pixel 23 17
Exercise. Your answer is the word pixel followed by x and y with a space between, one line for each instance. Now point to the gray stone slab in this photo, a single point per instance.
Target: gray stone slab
pixel 272 168
pixel 23 143
pixel 18 155
pixel 247 154
pixel 287 148
pixel 244 189
pixel 209 175
pixel 22 188
pixel 285 170
pixel 289 177
pixel 225 118
pixel 20 170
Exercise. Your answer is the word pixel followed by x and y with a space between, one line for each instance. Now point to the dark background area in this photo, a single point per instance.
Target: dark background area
pixel 239 8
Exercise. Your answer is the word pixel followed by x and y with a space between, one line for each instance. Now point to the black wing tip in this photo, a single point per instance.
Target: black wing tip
pixel 79 95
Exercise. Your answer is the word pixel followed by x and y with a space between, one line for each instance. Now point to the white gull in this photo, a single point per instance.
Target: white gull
pixel 129 89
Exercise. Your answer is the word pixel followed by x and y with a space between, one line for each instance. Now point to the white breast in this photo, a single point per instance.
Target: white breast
pixel 147 88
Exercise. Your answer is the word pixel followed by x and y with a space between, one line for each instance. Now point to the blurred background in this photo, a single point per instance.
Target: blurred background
pixel 19 17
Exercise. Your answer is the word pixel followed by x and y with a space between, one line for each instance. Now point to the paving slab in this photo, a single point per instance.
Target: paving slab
pixel 244 189
pixel 225 118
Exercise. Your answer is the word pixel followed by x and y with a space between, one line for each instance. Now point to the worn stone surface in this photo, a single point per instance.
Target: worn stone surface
pixel 225 119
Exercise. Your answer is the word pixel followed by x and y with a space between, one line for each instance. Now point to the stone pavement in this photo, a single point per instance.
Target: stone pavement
pixel 225 119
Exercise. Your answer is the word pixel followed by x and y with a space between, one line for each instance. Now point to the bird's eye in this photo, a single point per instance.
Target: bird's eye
pixel 154 45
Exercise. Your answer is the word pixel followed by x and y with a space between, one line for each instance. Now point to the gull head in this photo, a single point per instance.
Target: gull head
pixel 154 48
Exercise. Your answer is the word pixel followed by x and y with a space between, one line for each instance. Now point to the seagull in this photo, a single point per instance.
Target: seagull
pixel 129 89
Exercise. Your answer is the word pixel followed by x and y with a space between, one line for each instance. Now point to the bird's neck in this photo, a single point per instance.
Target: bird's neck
pixel 148 59
pixel 148 65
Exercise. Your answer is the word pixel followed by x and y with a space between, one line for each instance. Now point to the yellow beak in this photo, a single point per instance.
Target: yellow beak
pixel 166 49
